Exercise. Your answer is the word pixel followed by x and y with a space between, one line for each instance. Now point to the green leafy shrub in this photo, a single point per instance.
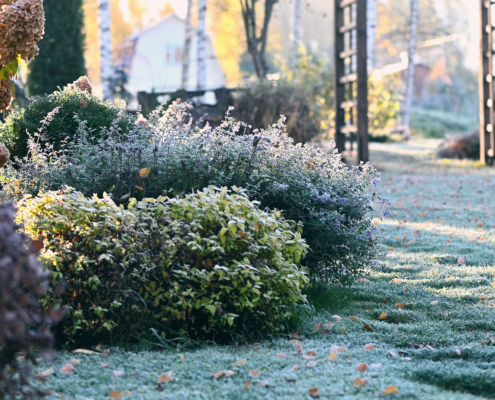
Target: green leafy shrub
pixel 204 265
pixel 27 119
pixel 23 326
pixel 85 244
pixel 218 264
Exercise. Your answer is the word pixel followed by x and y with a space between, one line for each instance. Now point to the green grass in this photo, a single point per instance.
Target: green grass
pixel 440 212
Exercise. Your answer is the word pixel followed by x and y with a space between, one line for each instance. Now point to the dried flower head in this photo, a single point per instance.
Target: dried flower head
pixel 6 94
pixel 22 26
pixel 4 155
pixel 83 83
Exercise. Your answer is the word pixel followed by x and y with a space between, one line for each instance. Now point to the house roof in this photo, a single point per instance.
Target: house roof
pixel 150 27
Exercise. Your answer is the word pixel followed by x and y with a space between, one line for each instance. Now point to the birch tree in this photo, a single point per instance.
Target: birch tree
pixel 106 50
pixel 201 44
pixel 371 12
pixel 186 56
pixel 410 74
pixel 297 31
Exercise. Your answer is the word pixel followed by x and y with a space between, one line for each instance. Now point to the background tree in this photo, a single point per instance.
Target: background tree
pixel 187 47
pixel 106 49
pixel 410 73
pixel 61 59
pixel 201 44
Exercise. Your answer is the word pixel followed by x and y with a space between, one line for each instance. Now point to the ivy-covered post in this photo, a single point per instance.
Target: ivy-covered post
pixel 22 25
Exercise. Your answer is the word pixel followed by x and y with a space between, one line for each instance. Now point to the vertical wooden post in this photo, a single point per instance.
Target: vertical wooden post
pixel 351 74
pixel 339 72
pixel 487 134
pixel 362 81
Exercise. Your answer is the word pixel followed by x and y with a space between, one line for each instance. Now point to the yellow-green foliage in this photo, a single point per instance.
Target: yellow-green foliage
pixel 86 243
pixel 217 263
pixel 208 264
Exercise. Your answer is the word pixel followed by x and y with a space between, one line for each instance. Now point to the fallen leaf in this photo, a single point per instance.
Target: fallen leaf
pixel 295 368
pixel 117 374
pixel 181 357
pixel 313 392
pixel 458 352
pixel 243 234
pixel 354 318
pixel 46 373
pixel 391 390
pixel 242 362
pixel 383 316
pixel 392 354
pixel 144 173
pixel 359 382
pixel 311 364
pixel 223 374
pixel 247 385
pixel 329 325
pixel 493 284
pixel 367 327
pixel 384 300
pixel 391 249
pixel 343 330
pixel 139 187
pixel 404 288
pixel 164 378
pixel 254 373
pixel 114 395
pixel 396 280
pixel 362 367
pixel 434 302
pixel 73 361
pixel 104 365
pixel 337 318
pixel 311 353
pixel 67 369
pixel 483 298
pixel 88 352
pixel 461 260
pixel 400 305
pixel 299 348
pixel 339 348
pixel 368 347
pixel 317 327
pixel 363 280
pixel 333 355
pixel 262 384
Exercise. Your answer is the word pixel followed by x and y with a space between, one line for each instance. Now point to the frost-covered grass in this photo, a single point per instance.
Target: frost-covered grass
pixel 440 212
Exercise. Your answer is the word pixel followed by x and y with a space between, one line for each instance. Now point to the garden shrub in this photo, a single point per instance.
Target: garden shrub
pixel 217 264
pixel 23 327
pixel 85 244
pixel 204 265
pixel 461 146
pixel 167 153
pixel 27 119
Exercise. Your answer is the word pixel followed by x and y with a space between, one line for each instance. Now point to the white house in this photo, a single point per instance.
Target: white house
pixel 153 59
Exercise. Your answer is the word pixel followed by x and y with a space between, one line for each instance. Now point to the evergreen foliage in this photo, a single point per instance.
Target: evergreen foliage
pixel 61 59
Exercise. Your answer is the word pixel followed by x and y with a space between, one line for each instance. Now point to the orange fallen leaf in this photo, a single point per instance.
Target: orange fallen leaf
pixel 400 305
pixel 254 373
pixel 396 280
pixel 240 362
pixel 114 395
pixel 73 361
pixel 359 382
pixel 181 357
pixel 391 390
pixel 165 378
pixel 343 330
pixel 295 368
pixel 367 327
pixel 353 318
pixel 139 187
pixel 223 374
pixel 362 367
pixel 311 353
pixel 67 369
pixel 493 284
pixel 144 173
pixel 383 316
pixel 247 385
pixel 391 249
pixel 368 347
pixel 404 288
pixel 313 392
pixel 46 373
pixel 333 355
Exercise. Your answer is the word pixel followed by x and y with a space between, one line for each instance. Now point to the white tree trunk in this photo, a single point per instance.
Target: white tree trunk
pixel 106 50
pixel 372 11
pixel 410 74
pixel 186 56
pixel 297 31
pixel 202 44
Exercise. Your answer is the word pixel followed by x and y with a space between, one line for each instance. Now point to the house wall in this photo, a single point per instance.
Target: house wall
pixel 157 60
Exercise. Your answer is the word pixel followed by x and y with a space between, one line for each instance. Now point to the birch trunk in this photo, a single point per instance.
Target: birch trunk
pixel 106 50
pixel 201 44
pixel 186 56
pixel 410 74
pixel 297 32
pixel 372 11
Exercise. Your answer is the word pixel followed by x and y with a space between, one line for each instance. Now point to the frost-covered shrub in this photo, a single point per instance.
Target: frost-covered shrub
pixel 27 119
pixel 169 154
pixel 216 264
pixel 23 326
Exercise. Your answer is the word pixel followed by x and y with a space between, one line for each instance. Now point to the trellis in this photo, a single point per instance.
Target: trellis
pixel 486 76
pixel 351 76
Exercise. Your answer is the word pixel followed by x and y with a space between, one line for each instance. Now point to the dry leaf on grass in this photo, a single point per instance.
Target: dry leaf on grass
pixel 400 305
pixel 164 378
pixel 104 365
pixel 362 367
pixel 392 354
pixel 247 385
pixel 391 390
pixel 368 347
pixel 368 328
pixel 46 373
pixel 333 355
pixel 383 316
pixel 311 353
pixel 115 395
pixel 396 280
pixel 311 364
pixel 339 348
pixel 353 318
pixel 181 357
pixel 299 348
pixel 434 303
pixel 67 369
pixel 254 373
pixel 493 284
pixel 458 352
pixel 223 374
pixel 359 382
pixel 337 318
pixel 88 352
pixel 343 330
pixel 363 280
pixel 295 368
pixel 239 363
pixel 73 361
pixel 313 392
pixel 118 374
pixel 461 260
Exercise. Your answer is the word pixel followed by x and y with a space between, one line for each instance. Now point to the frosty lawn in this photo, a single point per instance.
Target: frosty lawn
pixel 442 346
